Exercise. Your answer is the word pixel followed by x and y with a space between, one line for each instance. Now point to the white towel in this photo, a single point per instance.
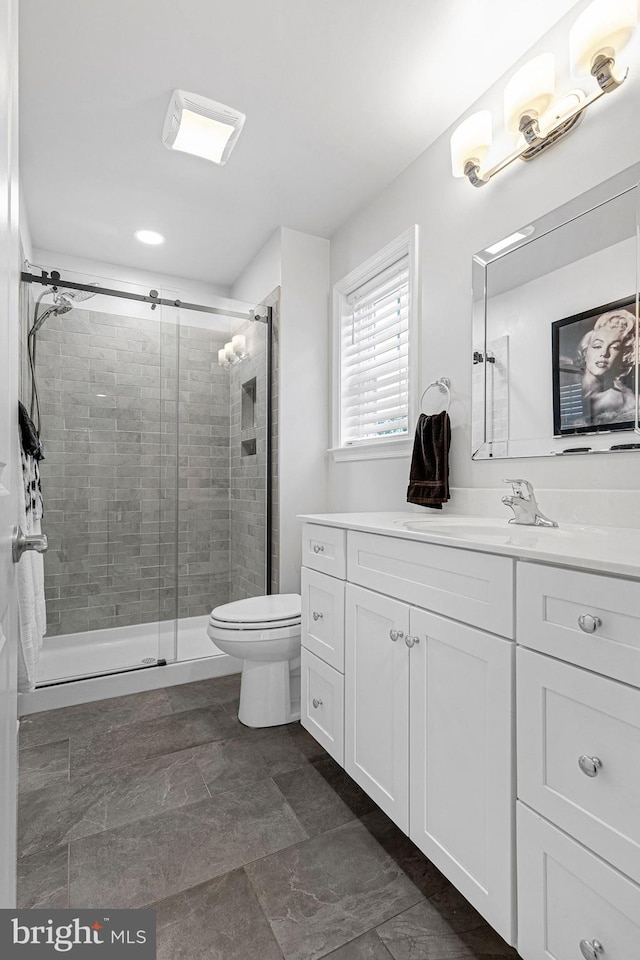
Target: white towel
pixel 31 601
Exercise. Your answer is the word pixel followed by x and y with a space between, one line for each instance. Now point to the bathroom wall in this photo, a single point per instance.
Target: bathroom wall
pixel 455 221
pixel 299 263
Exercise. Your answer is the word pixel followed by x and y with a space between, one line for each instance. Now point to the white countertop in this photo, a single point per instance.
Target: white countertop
pixel 612 550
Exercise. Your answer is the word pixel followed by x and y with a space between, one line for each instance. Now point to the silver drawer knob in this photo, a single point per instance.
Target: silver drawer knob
pixel 316 615
pixel 411 641
pixel 591 949
pixel 317 703
pixel 318 548
pixel 589 624
pixel 589 765
pixel 396 635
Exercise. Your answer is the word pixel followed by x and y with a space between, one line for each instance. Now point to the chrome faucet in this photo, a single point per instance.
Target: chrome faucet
pixel 525 506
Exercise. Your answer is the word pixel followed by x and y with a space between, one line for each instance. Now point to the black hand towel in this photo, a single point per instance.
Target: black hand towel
pixel 429 477
pixel 29 438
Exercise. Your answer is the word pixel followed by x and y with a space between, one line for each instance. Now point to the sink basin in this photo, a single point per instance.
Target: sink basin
pixel 488 530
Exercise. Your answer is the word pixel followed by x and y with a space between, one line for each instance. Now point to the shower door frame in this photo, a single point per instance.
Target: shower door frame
pixel 54 279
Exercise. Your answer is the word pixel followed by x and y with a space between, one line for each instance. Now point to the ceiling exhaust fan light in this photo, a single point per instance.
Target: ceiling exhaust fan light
pixel 202 127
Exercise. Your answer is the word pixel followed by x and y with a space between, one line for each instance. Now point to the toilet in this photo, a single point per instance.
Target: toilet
pixel 263 632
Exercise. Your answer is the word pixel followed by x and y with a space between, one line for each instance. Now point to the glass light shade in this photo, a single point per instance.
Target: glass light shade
pixel 530 91
pixel 202 136
pixel 229 352
pixel 471 141
pixel 222 357
pixel 604 27
pixel 239 342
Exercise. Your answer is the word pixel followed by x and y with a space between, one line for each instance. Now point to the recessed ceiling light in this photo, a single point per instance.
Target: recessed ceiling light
pixel 200 126
pixel 149 236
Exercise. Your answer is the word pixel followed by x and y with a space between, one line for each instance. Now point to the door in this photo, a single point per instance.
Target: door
pixel 462 777
pixel 376 742
pixel 9 468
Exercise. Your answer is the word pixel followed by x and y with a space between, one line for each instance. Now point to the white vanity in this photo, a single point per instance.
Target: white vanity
pixel 481 682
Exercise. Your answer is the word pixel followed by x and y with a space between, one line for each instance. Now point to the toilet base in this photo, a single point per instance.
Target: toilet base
pixel 269 693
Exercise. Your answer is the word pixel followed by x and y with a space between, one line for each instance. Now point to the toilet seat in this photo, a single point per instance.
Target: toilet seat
pixel 276 612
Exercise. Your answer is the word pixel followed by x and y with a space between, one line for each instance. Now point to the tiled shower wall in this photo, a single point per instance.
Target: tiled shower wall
pixel 108 395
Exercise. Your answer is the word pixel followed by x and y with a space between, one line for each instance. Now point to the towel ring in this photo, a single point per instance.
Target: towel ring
pixel 444 386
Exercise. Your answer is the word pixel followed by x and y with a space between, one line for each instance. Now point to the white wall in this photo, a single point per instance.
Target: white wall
pixel 457 220
pixel 299 263
pixel 304 392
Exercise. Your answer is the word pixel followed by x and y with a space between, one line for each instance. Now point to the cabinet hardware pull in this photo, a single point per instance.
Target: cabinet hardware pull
pixel 396 635
pixel 317 703
pixel 590 949
pixel 318 548
pixel 412 641
pixel 589 765
pixel 588 623
pixel 316 615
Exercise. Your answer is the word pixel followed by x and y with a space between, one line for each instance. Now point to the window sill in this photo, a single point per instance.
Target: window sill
pixel 373 451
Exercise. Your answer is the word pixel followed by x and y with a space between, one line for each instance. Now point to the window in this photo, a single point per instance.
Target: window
pixel 375 352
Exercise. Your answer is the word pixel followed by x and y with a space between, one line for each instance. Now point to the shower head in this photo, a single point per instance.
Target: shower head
pixel 62 303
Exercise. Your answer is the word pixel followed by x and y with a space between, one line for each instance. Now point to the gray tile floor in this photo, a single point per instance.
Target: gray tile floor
pixel 250 844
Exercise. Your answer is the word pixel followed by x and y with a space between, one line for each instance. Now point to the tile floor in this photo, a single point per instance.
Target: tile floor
pixel 249 844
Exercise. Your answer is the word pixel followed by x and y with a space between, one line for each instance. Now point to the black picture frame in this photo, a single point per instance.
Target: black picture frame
pixel 579 404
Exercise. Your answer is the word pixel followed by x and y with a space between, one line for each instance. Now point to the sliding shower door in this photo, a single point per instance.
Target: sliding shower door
pixel 223 493
pixel 106 373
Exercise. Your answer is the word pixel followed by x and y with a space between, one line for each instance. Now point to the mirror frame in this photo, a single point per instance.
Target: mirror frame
pixel 602 193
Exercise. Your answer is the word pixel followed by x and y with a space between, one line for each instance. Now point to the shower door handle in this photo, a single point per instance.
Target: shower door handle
pixel 22 542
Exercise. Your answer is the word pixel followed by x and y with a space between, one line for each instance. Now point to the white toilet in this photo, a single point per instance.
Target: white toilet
pixel 263 632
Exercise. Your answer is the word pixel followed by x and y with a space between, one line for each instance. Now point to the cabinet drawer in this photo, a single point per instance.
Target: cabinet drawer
pixel 322 704
pixel 473 587
pixel 567 897
pixel 564 714
pixel 551 602
pixel 324 549
pixel 323 617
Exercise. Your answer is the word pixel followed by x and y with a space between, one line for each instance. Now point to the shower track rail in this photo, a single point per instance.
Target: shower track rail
pixel 54 279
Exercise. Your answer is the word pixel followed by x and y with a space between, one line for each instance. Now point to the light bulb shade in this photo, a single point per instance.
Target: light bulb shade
pixel 222 357
pixel 471 141
pixel 604 27
pixel 229 351
pixel 530 91
pixel 239 343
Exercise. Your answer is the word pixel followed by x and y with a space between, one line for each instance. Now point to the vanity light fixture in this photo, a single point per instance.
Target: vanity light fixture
pixel 533 114
pixel 233 351
pixel 200 126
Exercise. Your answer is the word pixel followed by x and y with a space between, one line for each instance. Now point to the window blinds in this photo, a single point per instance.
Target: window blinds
pixel 374 357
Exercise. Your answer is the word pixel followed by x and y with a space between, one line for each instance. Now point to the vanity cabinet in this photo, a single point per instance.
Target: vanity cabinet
pixel 440 707
pixel 428 701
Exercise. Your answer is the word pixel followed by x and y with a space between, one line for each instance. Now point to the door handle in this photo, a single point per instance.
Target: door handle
pixel 22 542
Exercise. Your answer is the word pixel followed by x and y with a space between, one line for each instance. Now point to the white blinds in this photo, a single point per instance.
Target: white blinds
pixel 374 357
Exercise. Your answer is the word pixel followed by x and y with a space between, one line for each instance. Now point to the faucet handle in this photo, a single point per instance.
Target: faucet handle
pixel 522 488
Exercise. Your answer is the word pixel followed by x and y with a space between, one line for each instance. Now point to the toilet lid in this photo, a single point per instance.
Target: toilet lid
pixel 253 613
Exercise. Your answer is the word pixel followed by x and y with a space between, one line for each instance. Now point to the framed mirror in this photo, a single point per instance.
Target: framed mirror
pixel 555 331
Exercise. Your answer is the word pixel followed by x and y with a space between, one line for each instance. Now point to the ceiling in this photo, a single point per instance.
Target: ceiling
pixel 340 96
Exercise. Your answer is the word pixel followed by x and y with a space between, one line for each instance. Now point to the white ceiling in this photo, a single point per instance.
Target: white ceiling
pixel 340 96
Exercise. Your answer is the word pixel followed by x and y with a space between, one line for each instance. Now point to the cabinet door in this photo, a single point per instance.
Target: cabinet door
pixel 377 699
pixel 462 764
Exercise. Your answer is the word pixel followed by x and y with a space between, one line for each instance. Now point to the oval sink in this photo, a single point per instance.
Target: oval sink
pixel 489 530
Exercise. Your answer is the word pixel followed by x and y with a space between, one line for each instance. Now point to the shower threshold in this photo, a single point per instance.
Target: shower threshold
pixel 80 667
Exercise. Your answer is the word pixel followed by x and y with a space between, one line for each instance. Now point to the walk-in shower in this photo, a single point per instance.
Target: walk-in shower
pixel 157 471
